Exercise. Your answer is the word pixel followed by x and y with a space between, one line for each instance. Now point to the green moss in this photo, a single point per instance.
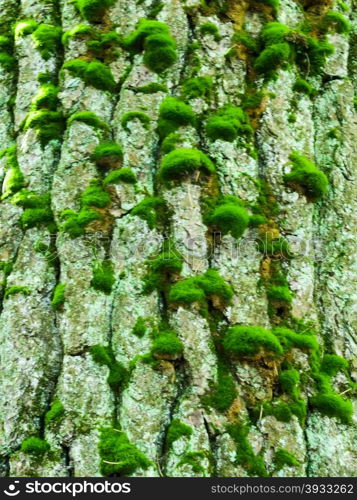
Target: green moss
pixel 245 456
pixel 209 286
pixel 209 28
pixel 35 446
pixel 176 430
pixel 154 38
pixel 93 73
pixel 306 178
pixel 25 27
pixel 103 276
pixel 170 142
pixel 88 118
pixel 284 457
pixel 150 209
pixel 135 115
pixel 75 223
pixel 124 457
pixel 14 290
pixel 79 31
pixel 332 364
pixel 274 247
pixel 333 405
pixel 273 57
pixel 125 175
pixel 292 118
pixel 290 339
pixel 193 459
pixel 104 45
pixel 107 154
pixel 229 216
pixel 55 413
pixel 174 113
pixel 49 125
pixel 47 39
pixel 274 4
pixel 46 97
pixel 289 381
pixel 250 341
pixel 199 86
pixel 167 345
pixel 182 162
pixel 244 38
pixel 227 124
pixel 139 329
pixel 279 294
pixel 160 270
pixel 37 209
pixel 257 220
pixel 151 88
pixel 14 180
pixel 336 21
pixel 224 392
pixel 93 10
pixel 7 61
pixel 155 9
pixel 95 196
pixel 117 373
pixel 304 87
pixel 58 297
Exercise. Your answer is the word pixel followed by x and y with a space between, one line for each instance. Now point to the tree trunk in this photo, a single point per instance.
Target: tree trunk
pixel 122 352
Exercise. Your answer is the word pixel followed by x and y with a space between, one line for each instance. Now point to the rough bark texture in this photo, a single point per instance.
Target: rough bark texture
pixel 46 353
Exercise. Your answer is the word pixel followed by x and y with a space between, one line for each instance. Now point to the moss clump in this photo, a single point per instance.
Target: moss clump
pixel 227 124
pixel 151 88
pixel 210 286
pixel 289 381
pixel 154 38
pixel 139 329
pixel 161 269
pixel 304 87
pixel 279 294
pixel 245 456
pixel 13 290
pixel 182 162
pixel 107 154
pixel 332 364
pixel 229 216
pixel 37 209
pixel 7 61
pixel 150 209
pixel 117 373
pixel 46 97
pixel 58 297
pixel 75 223
pixel 135 115
pixel 79 31
pixel 333 405
pixel 170 142
pixel 209 28
pixel 104 46
pixel 118 455
pixel 306 178
pixel 35 446
pixel 32 217
pixel 49 125
pixel 14 180
pixel 55 413
pixel 93 73
pixel 176 430
pixel 25 27
pixel 125 175
pixel 93 10
pixel 95 196
pixel 289 339
pixel 272 57
pixel 198 86
pixel 166 345
pixel 103 276
pixel 224 392
pixel 88 118
pixel 284 457
pixel 47 39
pixel 250 341
pixel 336 21
pixel 174 113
